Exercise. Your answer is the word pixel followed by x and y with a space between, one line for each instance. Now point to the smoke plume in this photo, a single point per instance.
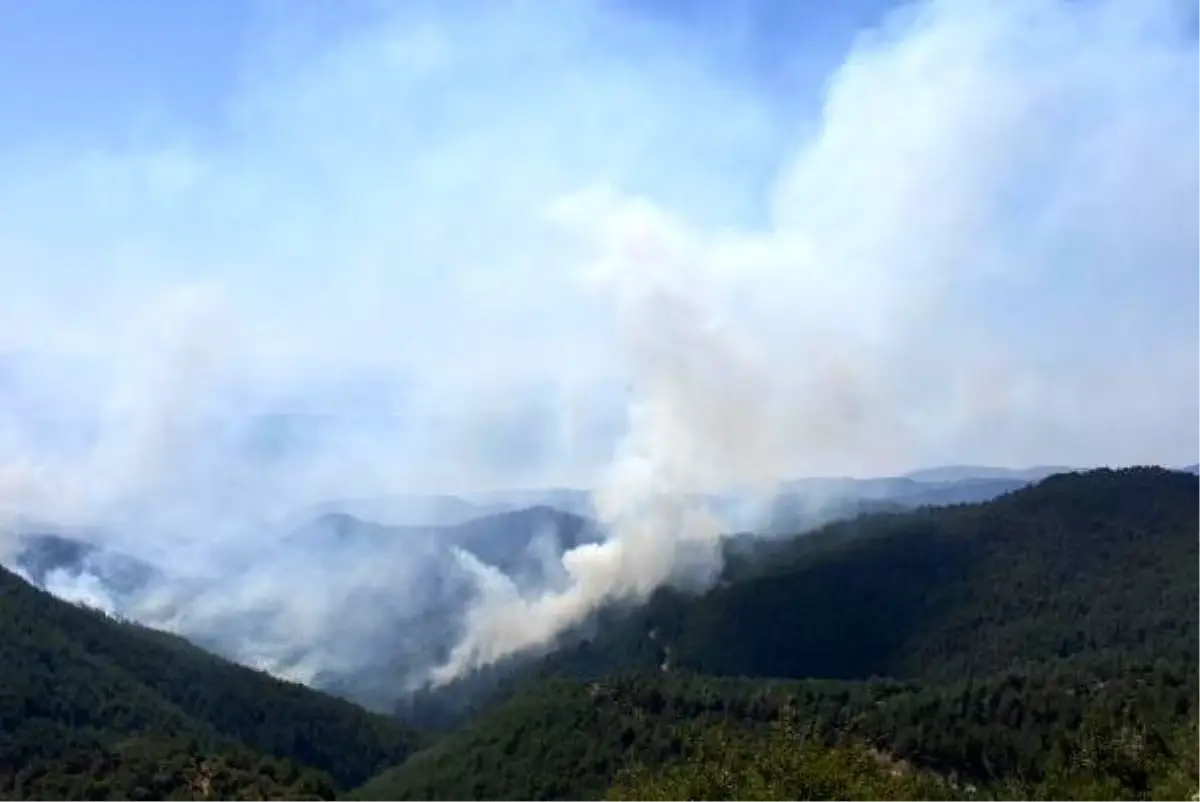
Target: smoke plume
pixel 874 233
pixel 432 261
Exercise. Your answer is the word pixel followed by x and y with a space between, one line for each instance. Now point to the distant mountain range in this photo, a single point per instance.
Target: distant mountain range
pixel 405 586
pixel 1014 644
pixel 952 484
pixel 957 473
pixel 389 599
pixel 982 641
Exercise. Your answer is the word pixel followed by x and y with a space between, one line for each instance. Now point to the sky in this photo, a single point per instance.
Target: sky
pixel 90 75
pixel 256 256
pixel 368 247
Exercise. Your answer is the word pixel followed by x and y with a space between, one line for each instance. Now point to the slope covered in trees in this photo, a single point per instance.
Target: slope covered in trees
pixel 77 686
pixel 1043 643
pixel 788 763
pixel 1097 562
pixel 1059 732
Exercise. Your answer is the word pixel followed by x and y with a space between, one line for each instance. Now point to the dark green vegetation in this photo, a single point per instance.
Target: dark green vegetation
pixel 161 767
pixel 1046 733
pixel 93 707
pixel 1040 645
pixel 1080 563
pixel 1043 644
pixel 791 763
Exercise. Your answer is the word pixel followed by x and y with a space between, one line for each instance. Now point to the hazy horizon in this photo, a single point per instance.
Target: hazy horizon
pixel 257 255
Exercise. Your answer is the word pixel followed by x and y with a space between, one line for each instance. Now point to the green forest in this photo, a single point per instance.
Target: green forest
pixel 1040 645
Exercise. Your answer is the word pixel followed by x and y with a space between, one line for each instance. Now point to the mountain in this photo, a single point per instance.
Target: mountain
pixel 822 498
pixel 1020 735
pixel 567 499
pixel 45 558
pixel 412 626
pixel 961 491
pixel 500 539
pixel 959 473
pixel 83 695
pixel 1105 560
pixel 388 601
pixel 441 509
pixel 1042 644
pixel 410 638
pixel 810 503
pixel 1039 645
pixel 410 510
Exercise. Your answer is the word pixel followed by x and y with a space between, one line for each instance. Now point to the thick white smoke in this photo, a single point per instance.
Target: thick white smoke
pixel 700 420
pixel 947 161
pixel 432 255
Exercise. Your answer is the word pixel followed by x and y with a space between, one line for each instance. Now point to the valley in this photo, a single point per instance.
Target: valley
pixel 989 646
pixel 599 399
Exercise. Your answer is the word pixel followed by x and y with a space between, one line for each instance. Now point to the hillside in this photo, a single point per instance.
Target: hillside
pixel 1044 643
pixel 1030 731
pixel 1098 561
pixel 80 692
pixel 405 588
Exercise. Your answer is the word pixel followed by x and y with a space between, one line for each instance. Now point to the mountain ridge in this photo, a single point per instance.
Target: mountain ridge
pixel 70 669
pixel 1048 622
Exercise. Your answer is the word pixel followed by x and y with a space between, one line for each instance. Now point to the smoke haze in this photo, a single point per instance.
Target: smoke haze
pixel 460 248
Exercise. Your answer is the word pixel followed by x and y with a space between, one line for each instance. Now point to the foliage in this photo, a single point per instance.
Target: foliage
pixel 724 763
pixel 74 680
pixel 1024 637
pixel 1047 729
pixel 1103 561
pixel 167 768
pixel 1040 645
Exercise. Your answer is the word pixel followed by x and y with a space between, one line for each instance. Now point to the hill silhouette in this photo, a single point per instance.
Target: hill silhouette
pixel 78 687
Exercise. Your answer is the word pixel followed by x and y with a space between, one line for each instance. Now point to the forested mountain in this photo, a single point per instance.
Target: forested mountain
pixel 1044 643
pixel 1041 732
pixel 1104 561
pixel 1039 645
pixel 405 588
pixel 93 707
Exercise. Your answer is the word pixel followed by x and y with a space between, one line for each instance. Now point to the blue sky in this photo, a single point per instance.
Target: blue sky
pixel 938 233
pixel 85 73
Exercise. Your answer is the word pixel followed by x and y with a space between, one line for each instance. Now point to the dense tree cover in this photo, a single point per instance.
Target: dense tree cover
pixel 727 763
pixel 1040 645
pixel 74 679
pixel 1104 561
pixel 163 767
pixel 1131 731
pixel 780 768
pixel 1025 637
pixel 1080 563
pixel 560 739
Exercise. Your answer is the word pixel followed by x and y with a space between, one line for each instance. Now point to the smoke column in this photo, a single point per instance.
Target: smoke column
pixel 655 249
pixel 700 418
pixel 879 236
